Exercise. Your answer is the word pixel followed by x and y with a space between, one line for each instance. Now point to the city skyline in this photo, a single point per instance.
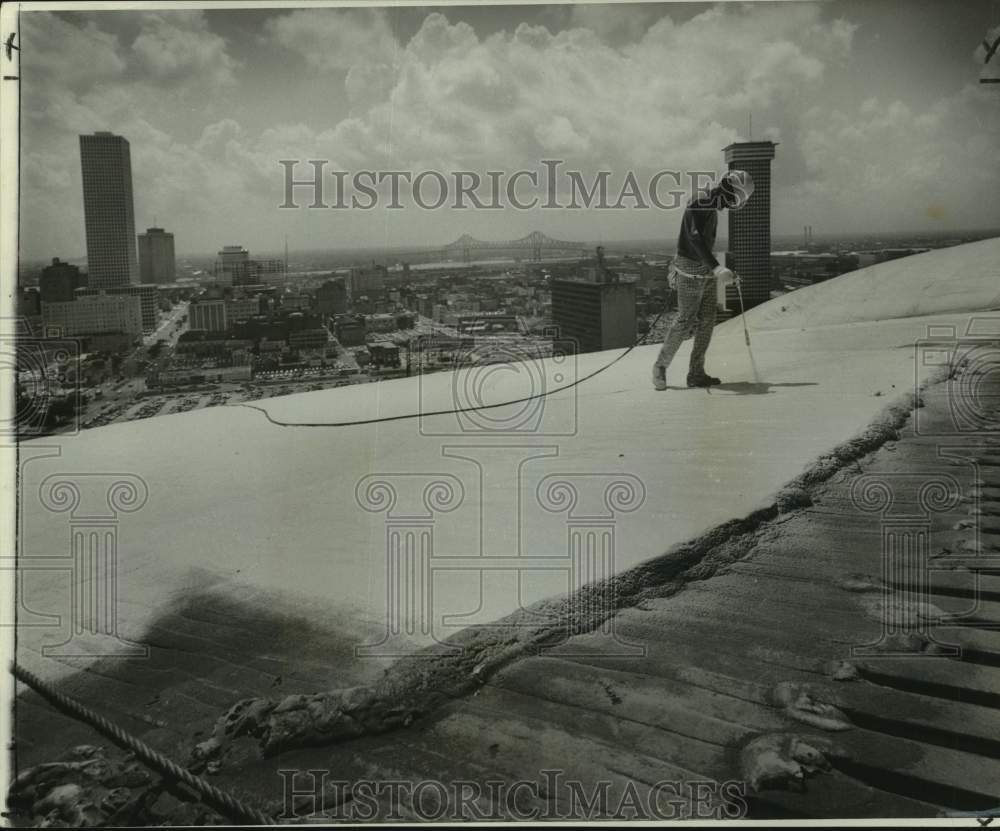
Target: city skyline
pixel 910 148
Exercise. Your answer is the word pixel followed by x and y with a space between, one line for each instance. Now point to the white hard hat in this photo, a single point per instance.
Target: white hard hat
pixel 739 184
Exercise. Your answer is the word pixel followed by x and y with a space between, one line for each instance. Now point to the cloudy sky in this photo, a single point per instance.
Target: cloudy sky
pixel 881 120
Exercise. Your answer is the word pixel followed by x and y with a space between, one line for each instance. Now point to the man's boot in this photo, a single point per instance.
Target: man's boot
pixel 659 377
pixel 701 379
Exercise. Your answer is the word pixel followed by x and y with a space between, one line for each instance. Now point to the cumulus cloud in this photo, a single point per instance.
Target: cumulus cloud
pixel 336 39
pixel 80 77
pixel 178 46
pixel 618 88
pixel 217 138
pixel 71 57
pixel 664 99
pixel 909 167
pixel 614 22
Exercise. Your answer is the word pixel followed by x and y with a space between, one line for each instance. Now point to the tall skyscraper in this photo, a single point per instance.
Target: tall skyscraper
pixel 156 256
pixel 106 163
pixel 749 252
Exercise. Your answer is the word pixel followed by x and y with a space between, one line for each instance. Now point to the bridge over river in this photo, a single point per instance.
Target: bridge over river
pixel 535 245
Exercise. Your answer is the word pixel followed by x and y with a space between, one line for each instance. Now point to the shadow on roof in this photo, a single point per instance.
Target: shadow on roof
pixel 749 387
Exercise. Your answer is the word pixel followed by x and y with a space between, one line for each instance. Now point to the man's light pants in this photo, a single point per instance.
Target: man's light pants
pixel 696 305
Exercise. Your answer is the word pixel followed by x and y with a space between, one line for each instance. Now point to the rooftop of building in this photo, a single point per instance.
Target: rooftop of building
pixel 743 567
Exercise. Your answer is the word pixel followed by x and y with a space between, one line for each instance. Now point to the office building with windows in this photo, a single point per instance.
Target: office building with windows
pixel 156 256
pixel 94 314
pixel 331 298
pixel 594 316
pixel 148 300
pixel 207 316
pixel 232 264
pixel 240 309
pixel 59 281
pixel 106 166
pixel 233 267
pixel 749 253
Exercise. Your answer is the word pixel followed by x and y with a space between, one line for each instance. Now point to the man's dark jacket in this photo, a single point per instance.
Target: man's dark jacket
pixel 698 227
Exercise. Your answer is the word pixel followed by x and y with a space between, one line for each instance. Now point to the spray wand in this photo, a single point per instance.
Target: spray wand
pixel 746 331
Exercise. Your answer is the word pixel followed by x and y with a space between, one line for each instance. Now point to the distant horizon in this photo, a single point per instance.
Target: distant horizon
pixel 987 233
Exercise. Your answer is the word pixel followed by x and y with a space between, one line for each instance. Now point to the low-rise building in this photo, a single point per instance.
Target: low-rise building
pixel 210 344
pixel 350 331
pixel 94 314
pixel 109 342
pixel 366 279
pixel 795 269
pixel 295 302
pixel 239 309
pixel 233 267
pixel 381 323
pixel 331 298
pixel 185 375
pixel 59 281
pixel 309 338
pixel 29 302
pixel 272 346
pixel 208 316
pixel 147 293
pixel 264 271
pixel 384 354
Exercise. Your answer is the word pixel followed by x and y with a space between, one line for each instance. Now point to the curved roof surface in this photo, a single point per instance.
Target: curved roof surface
pixel 311 515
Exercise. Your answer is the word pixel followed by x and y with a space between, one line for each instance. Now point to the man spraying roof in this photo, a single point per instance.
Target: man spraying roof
pixel 698 276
